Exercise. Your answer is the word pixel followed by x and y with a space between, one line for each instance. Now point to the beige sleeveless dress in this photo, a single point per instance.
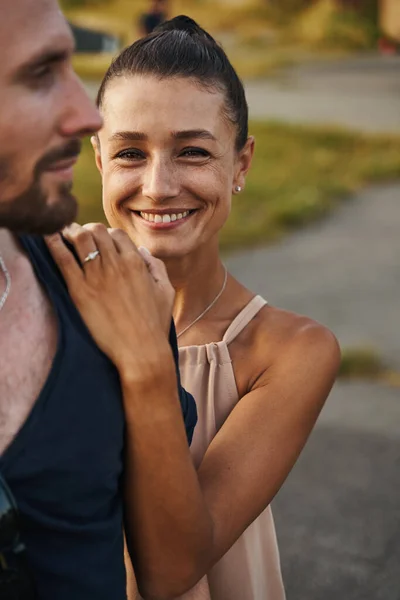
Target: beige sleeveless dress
pixel 250 570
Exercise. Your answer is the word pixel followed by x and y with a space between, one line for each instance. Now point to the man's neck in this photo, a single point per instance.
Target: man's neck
pixel 9 247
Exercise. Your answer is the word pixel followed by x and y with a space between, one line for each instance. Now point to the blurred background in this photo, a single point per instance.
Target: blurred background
pixel 316 231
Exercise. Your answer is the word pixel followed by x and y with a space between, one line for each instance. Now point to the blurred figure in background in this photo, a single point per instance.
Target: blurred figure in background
pixel 157 14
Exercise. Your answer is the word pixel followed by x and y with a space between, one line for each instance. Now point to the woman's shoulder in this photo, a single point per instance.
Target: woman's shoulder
pixel 282 326
pixel 276 337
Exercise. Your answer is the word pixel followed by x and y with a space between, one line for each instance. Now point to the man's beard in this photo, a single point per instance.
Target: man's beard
pixel 31 211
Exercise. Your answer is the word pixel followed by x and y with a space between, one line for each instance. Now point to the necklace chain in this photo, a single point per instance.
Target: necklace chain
pixel 7 277
pixel 209 307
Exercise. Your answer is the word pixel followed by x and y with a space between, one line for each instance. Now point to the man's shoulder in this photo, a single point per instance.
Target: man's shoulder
pixel 42 261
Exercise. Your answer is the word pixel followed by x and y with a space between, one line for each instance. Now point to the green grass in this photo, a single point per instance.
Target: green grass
pixel 298 175
pixel 364 362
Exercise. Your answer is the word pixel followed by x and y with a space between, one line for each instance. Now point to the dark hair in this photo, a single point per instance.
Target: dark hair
pixel 181 48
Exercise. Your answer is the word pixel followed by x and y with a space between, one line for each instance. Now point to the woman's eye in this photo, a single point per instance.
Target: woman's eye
pixel 130 155
pixel 195 153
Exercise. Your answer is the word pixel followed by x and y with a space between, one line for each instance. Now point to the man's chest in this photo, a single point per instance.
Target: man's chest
pixel 28 340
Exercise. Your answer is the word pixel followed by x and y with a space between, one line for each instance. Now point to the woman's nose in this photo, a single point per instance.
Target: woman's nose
pixel 160 181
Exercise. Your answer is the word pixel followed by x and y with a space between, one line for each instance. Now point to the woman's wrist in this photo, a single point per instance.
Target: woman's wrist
pixel 149 366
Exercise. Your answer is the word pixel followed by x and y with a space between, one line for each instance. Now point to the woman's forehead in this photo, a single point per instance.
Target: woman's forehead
pixel 175 103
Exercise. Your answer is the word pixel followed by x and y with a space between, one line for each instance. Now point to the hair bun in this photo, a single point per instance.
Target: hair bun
pixel 181 23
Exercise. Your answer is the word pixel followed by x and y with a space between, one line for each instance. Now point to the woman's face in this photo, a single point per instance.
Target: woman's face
pixel 168 162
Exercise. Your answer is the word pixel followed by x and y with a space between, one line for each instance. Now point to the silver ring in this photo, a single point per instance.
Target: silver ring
pixel 91 256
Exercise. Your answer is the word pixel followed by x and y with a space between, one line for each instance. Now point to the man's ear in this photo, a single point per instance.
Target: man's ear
pixel 243 163
pixel 97 154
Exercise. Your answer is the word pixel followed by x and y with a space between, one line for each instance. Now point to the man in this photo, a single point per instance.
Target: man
pixel 156 15
pixel 63 419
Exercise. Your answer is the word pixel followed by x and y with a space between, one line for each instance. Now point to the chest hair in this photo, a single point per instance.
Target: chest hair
pixel 28 342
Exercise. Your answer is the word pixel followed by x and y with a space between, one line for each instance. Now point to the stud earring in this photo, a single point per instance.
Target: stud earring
pixel 238 189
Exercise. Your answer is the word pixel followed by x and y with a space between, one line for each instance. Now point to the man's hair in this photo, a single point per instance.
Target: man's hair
pixel 181 48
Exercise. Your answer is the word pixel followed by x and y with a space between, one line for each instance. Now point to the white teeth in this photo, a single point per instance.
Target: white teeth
pixel 166 218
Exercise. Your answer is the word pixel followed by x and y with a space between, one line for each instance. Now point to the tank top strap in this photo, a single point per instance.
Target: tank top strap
pixel 244 318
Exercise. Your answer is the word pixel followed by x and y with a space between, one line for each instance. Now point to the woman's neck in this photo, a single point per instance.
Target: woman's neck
pixel 197 280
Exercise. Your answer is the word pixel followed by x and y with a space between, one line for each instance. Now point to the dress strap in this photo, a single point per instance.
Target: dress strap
pixel 244 318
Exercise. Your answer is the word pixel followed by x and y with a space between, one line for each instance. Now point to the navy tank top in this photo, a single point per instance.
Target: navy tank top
pixel 65 465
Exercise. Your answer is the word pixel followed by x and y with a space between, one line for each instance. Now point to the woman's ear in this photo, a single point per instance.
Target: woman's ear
pixel 243 164
pixel 97 154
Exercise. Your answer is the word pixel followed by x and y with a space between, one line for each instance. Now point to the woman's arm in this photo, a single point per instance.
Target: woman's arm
pixel 128 312
pixel 258 445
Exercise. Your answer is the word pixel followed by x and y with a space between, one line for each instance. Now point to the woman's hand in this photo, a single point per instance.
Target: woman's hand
pixel 124 296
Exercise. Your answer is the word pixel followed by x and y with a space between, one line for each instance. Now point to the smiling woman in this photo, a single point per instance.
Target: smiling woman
pixel 182 169
pixel 173 150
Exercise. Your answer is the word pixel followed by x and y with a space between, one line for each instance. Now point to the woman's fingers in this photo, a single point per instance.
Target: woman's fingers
pixel 155 266
pixel 122 242
pixel 64 259
pixel 82 240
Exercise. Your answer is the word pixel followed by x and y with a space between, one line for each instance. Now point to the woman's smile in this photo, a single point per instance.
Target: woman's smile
pixel 163 219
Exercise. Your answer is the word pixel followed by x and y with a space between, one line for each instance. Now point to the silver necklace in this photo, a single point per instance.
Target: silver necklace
pixel 209 307
pixel 7 277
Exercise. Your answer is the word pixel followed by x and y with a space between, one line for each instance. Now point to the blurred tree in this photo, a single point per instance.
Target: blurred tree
pixel 288 5
pixel 367 8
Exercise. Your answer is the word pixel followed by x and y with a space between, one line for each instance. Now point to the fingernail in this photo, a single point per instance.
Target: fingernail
pixel 144 250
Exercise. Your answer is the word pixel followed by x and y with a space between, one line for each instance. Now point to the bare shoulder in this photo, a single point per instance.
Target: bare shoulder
pixel 283 327
pixel 279 341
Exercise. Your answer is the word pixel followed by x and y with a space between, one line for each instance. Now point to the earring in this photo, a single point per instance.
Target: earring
pixel 238 189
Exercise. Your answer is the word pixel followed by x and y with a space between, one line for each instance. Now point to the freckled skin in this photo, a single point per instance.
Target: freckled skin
pixel 163 172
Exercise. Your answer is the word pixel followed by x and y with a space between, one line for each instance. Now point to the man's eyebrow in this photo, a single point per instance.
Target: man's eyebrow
pixel 46 57
pixel 138 136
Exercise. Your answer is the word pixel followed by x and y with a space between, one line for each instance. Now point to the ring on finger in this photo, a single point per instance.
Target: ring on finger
pixel 91 256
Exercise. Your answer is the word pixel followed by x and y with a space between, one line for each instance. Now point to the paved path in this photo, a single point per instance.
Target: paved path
pixel 360 93
pixel 343 271
pixel 338 515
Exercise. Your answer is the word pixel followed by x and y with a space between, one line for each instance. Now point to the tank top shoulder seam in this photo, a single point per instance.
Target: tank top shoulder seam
pixel 244 317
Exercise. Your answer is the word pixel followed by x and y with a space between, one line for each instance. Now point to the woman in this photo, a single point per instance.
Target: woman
pixel 173 150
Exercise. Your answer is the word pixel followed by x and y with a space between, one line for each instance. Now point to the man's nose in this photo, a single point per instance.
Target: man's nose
pixel 80 117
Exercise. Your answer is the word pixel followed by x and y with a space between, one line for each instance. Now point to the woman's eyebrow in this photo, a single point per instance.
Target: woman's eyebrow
pixel 193 133
pixel 138 136
pixel 128 136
